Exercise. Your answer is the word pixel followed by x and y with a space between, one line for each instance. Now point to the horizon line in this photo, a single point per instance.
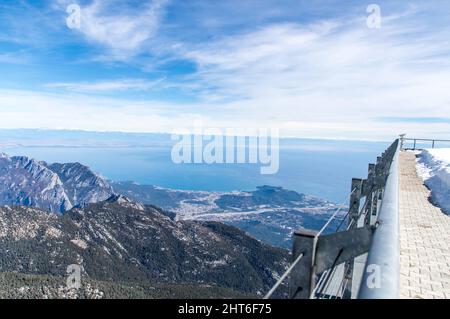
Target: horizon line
pixel 335 139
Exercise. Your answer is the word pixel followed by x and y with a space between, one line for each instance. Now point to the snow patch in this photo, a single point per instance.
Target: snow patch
pixel 433 166
pixel 80 243
pixel 53 232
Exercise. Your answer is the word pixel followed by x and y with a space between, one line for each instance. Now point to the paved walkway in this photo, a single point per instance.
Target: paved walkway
pixel 424 238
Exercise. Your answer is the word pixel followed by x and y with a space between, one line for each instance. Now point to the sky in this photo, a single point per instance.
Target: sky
pixel 312 69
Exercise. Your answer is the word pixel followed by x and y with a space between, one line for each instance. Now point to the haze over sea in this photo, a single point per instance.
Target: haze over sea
pixel 323 168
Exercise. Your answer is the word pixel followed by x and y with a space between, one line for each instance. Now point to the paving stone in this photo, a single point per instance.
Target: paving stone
pixel 424 238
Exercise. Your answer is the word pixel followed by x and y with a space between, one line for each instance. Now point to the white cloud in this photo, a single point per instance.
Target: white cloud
pixel 27 109
pixel 329 59
pixel 108 86
pixel 125 34
pixel 14 58
pixel 332 79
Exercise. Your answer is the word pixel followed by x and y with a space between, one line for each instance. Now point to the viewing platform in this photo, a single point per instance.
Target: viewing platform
pixel 424 237
pixel 392 242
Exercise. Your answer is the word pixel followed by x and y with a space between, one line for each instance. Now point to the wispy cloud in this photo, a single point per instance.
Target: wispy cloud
pixel 108 86
pixel 331 57
pixel 123 33
pixel 316 73
pixel 334 73
pixel 14 58
pixel 27 109
pixel 414 119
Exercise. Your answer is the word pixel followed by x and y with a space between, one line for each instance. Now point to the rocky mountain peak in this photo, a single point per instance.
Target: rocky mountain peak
pixel 124 202
pixel 56 187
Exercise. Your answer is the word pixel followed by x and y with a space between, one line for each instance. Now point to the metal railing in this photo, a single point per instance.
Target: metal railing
pixel 361 260
pixel 346 263
pixel 414 141
pixel 381 279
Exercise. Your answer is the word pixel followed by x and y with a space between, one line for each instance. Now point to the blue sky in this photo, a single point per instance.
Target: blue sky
pixel 310 68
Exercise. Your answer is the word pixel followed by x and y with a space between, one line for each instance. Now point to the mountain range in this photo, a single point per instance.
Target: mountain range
pixel 269 213
pixel 55 215
pixel 120 241
pixel 141 241
pixel 56 187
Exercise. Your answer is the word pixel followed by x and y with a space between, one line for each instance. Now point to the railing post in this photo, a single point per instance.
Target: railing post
pixel 355 198
pixel 432 145
pixel 353 216
pixel 303 277
pixel 370 194
pixel 402 140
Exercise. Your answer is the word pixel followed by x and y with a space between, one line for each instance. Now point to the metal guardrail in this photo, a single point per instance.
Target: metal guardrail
pixel 433 142
pixel 384 255
pixel 363 260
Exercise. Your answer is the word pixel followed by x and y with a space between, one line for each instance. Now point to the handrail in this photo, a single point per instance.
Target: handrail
pixel 289 270
pixel 424 139
pixel 367 253
pixel 415 140
pixel 381 279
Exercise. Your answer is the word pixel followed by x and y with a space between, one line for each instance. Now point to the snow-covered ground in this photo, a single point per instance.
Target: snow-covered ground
pixel 433 165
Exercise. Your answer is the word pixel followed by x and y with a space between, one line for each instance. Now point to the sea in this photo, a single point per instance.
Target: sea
pixel 322 168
